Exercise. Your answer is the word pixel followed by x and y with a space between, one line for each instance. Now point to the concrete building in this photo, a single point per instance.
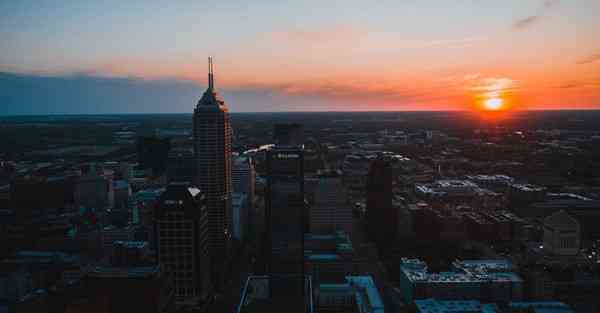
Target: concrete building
pixel 111 234
pixel 454 306
pixel 330 212
pixel 243 177
pixel 561 234
pixel 94 189
pixel 328 258
pixel 212 150
pixel 239 208
pixel 182 235
pixel 540 307
pixel 357 294
pixel 485 280
pixel 122 193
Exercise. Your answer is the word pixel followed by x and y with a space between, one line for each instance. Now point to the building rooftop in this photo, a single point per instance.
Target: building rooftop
pixel 453 306
pixel 461 271
pixel 542 306
pixel 124 272
pixel 266 294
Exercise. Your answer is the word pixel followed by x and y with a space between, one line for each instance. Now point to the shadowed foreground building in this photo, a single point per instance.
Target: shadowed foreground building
pixel 181 232
pixel 274 294
pixel 381 214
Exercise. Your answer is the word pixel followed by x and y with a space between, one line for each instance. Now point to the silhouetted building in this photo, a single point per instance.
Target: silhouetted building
pixel 561 234
pixel 243 176
pixel 182 235
pixel 330 211
pixel 288 134
pixel 285 210
pixel 153 153
pixel 381 215
pixel 212 149
pixel 181 165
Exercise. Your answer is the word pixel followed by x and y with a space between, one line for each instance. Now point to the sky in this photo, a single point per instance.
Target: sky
pixel 150 56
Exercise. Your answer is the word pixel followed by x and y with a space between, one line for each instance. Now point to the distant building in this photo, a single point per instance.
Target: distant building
pixel 239 208
pixel 330 212
pixel 153 153
pixel 181 165
pixel 94 189
pixel 288 134
pixel 381 214
pixel 485 280
pixel 122 191
pixel 182 237
pixel 243 176
pixel 561 234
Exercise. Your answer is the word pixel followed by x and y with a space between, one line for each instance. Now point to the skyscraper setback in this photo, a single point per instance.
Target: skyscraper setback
pixel 212 152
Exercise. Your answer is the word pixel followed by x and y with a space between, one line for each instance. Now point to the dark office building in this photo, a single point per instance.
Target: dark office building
pixel 181 165
pixel 285 210
pixel 381 215
pixel 288 134
pixel 181 219
pixel 153 153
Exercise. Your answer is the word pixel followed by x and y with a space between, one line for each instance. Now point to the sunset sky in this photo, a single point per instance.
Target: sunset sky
pixel 298 55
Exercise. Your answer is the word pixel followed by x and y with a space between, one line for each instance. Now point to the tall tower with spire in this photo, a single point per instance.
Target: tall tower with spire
pixel 212 152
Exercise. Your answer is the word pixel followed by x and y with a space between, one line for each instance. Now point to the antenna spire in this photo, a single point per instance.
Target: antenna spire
pixel 211 79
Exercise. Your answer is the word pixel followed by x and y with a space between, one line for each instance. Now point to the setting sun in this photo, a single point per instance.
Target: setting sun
pixel 493 104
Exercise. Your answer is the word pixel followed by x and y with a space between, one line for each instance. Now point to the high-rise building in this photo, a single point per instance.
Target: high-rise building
pixel 288 134
pixel 182 234
pixel 330 211
pixel 212 150
pixel 181 165
pixel 285 210
pixel 243 176
pixel 381 214
pixel 153 153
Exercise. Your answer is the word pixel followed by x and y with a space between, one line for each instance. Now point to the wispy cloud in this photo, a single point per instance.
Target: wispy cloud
pixel 453 42
pixel 530 20
pixel 550 3
pixel 525 22
pixel 589 59
pixel 491 87
pixel 340 32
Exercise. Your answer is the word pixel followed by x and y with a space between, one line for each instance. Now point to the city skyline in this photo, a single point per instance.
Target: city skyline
pixel 351 56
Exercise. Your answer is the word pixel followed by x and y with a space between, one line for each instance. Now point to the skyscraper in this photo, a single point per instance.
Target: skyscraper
pixel 212 151
pixel 285 209
pixel 381 215
pixel 181 232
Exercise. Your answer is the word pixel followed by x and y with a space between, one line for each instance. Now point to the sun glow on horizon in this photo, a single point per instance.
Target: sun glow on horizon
pixel 493 104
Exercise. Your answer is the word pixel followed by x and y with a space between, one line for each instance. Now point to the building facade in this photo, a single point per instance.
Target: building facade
pixel 212 151
pixel 181 218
